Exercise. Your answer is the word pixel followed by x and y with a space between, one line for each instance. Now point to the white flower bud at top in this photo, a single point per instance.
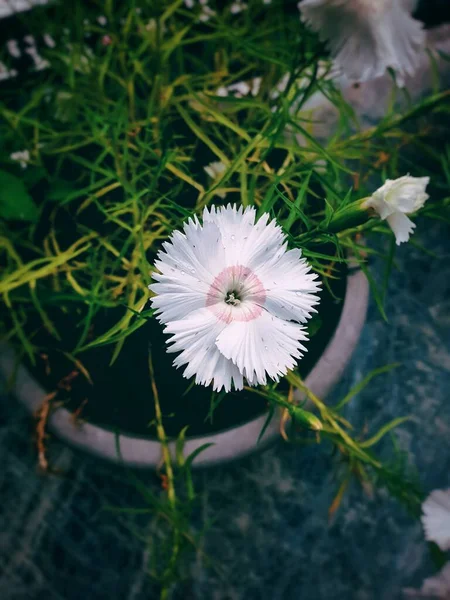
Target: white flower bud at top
pixel 366 37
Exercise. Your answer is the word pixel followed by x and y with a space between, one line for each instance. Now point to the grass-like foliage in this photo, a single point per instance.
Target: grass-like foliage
pixel 119 130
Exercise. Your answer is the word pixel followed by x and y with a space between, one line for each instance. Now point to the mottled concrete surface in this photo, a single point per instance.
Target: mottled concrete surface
pixel 268 533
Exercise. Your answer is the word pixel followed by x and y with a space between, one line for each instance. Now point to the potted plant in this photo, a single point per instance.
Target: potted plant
pixel 124 138
pixel 160 178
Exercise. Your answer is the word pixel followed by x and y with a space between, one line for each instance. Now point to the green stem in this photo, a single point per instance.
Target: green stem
pixel 162 437
pixel 327 416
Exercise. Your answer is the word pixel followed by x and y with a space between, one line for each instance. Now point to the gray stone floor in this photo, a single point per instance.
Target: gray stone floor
pixel 268 534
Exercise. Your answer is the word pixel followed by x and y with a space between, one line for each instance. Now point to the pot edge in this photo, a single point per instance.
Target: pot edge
pixel 134 451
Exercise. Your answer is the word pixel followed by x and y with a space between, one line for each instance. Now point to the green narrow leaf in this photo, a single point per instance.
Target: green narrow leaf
pixel 329 213
pixel 388 269
pixel 382 432
pixel 292 208
pixel 190 458
pixel 314 324
pixel 373 286
pixel 269 198
pixel 362 384
pixel 244 187
pixel 266 423
pixel 179 445
pixel 216 399
pixel 297 203
pixel 347 198
pixel 200 133
pixel 317 146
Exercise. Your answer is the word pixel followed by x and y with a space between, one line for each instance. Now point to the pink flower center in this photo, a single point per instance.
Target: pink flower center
pixel 236 294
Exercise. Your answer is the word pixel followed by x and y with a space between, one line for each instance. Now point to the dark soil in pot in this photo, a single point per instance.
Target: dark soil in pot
pixel 120 396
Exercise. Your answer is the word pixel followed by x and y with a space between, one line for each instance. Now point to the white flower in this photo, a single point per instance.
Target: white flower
pixel 222 91
pixel 232 296
pixel 321 71
pixel 39 62
pixel 241 88
pixel 237 7
pixel 215 170
pixel 437 586
pixel 206 14
pixel 22 157
pixel 396 199
pixel 49 41
pixel 366 37
pixel 256 85
pixel 436 518
pixel 13 48
pixel 5 73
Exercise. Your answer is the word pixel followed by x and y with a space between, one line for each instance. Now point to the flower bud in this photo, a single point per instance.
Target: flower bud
pixel 396 199
pixel 305 418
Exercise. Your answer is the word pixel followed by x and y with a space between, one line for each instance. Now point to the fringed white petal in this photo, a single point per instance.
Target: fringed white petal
pixel 378 203
pixel 187 268
pixel 244 241
pixel 406 194
pixel 436 518
pixel 235 226
pixel 401 226
pixel 263 346
pixel 366 37
pixel 230 220
pixel 402 41
pixel 195 336
pixel 290 286
pixel 174 301
pixel 215 169
pixel 266 243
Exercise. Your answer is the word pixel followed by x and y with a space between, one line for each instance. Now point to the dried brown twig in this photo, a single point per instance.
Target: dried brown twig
pixel 42 415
